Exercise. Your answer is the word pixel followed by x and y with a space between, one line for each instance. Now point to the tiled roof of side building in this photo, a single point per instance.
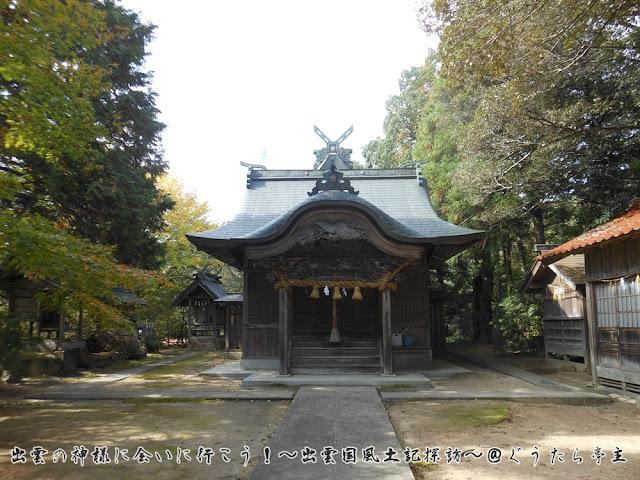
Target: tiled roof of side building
pixel 625 224
pixel 209 283
pixel 400 202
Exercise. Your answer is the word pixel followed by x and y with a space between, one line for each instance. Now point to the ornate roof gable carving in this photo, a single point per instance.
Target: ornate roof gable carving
pixel 333 231
pixel 332 180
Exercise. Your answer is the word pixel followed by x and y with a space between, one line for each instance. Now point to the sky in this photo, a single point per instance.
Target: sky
pixel 247 81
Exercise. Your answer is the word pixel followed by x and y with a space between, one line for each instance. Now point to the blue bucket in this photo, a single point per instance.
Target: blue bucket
pixel 408 340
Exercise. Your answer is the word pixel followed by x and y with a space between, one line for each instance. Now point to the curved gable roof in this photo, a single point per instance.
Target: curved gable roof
pixel 395 199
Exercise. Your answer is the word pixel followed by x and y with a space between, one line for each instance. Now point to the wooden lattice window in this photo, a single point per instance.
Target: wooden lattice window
pixel 618 304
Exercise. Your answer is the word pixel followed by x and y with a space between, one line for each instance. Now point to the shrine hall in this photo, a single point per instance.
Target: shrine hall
pixel 336 264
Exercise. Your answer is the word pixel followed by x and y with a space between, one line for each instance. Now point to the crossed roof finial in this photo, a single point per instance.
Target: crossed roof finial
pixel 333 153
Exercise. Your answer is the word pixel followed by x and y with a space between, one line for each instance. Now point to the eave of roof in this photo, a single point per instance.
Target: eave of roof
pixel 233 297
pixel 570 269
pixel 624 226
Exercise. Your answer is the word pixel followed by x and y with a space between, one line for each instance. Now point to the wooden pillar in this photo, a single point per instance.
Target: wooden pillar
pixel 227 325
pixel 335 334
pixel 387 355
pixel 39 320
pixel 61 327
pixel 591 317
pixel 283 300
pixel 427 309
pixel 245 306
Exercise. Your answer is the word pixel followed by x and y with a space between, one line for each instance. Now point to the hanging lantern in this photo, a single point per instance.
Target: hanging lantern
pixel 336 294
pixel 315 293
pixel 356 294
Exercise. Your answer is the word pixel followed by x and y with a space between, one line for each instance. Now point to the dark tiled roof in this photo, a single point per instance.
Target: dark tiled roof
pixel 210 284
pixel 127 297
pixel 621 226
pixel 395 198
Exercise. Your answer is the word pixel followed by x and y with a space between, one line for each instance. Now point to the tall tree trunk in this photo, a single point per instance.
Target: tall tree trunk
pixel 507 260
pixel 482 296
pixel 538 225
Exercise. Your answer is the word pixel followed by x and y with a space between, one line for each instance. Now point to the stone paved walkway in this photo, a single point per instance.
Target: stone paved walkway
pixel 333 419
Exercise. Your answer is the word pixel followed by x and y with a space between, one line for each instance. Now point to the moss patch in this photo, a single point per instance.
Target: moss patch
pixel 420 469
pixel 393 388
pixel 189 365
pixel 478 414
pixel 126 365
pixel 149 401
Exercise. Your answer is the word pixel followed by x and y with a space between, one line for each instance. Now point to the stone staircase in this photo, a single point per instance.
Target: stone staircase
pixel 314 355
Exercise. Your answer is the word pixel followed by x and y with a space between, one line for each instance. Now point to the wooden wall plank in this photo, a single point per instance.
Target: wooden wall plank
pixel 614 260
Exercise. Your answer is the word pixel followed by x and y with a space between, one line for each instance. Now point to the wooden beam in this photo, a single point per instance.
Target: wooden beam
pixel 283 314
pixel 387 358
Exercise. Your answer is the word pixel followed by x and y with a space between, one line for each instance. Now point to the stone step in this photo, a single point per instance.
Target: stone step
pixel 338 362
pixel 307 370
pixel 316 352
pixel 314 355
pixel 324 341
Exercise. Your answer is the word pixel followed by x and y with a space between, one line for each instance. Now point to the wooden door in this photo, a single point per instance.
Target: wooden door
pixel 617 306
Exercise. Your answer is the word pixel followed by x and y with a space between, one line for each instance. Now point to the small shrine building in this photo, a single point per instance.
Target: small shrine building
pixel 336 265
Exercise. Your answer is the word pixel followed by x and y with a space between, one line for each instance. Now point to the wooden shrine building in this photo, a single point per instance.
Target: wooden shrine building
pixel 562 285
pixel 612 275
pixel 335 260
pixel 213 314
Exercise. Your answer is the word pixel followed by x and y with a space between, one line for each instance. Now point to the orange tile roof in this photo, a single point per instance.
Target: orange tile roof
pixel 620 226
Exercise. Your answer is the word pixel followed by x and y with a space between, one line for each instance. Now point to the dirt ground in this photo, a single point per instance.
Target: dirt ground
pixel 166 429
pixel 226 430
pixel 473 429
pixel 520 432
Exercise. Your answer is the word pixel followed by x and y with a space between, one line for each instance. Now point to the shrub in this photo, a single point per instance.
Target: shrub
pixel 10 345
